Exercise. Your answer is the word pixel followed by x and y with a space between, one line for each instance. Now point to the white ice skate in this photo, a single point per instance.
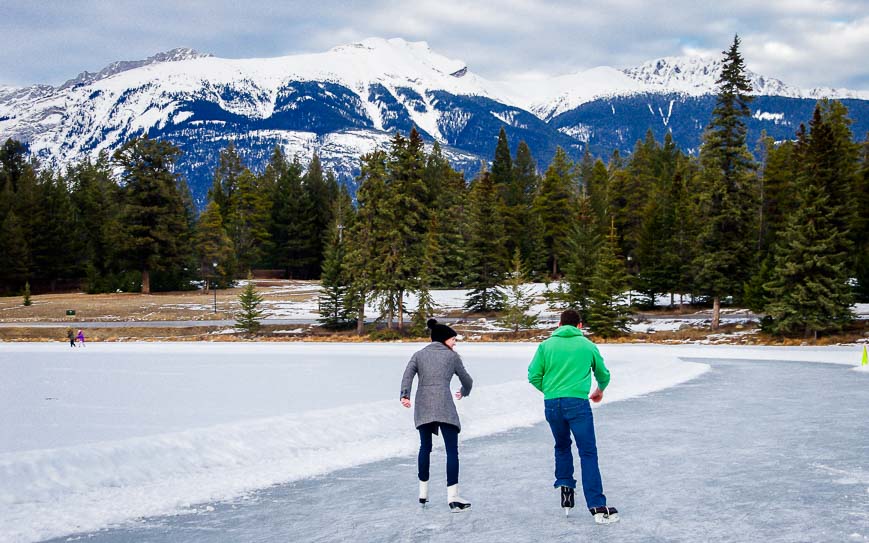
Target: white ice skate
pixel 456 503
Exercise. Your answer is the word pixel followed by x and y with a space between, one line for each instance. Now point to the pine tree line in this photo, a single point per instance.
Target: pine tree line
pixel 782 229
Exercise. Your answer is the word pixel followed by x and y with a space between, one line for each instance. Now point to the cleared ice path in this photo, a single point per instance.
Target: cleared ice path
pixel 748 451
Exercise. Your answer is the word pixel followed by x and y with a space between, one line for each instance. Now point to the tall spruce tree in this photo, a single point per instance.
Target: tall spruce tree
pixel 809 290
pixel 366 244
pixel 15 256
pixel 225 183
pixel 317 214
pixel 406 198
pixel 335 301
pixel 609 313
pixel 861 228
pixel 486 254
pixel 155 231
pixel 584 245
pixel 96 198
pixel 214 248
pixel 248 222
pixel 446 254
pixel 726 195
pixel 526 183
pixel 554 205
pixel 56 248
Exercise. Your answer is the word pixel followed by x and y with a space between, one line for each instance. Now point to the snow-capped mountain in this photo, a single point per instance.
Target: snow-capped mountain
pixel 349 100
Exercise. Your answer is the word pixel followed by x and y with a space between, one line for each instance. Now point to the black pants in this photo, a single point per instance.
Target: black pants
pixel 451 443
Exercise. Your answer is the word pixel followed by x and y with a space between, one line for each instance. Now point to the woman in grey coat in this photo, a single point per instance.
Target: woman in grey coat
pixel 435 364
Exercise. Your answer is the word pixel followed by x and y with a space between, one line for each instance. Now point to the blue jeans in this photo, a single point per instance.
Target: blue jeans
pixel 451 444
pixel 566 415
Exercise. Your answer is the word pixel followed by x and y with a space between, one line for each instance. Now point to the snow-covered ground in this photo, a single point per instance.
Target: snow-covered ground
pixel 96 436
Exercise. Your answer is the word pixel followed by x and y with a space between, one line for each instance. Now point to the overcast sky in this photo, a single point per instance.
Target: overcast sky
pixel 806 43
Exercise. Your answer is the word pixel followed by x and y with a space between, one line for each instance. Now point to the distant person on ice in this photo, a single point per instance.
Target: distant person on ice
pixel 71 336
pixel 562 370
pixel 80 337
pixel 435 364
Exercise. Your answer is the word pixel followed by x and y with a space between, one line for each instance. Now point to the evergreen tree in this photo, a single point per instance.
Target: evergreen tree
pixel 27 301
pixel 657 258
pixel 525 183
pixel 487 257
pixel 630 192
pixel 553 204
pixel 810 289
pixel 445 252
pixel 155 234
pixel 288 229
pixel 96 200
pixel 584 246
pixel 248 222
pixel 13 163
pixel 335 281
pixel 15 256
pixel 510 198
pixel 609 312
pixel 248 319
pixel 225 182
pixel 316 215
pixel 334 284
pixel 685 218
pixel 726 206
pixel 861 227
pixel 214 247
pixel 519 298
pixel 406 223
pixel 777 195
pixel 54 243
pixel 366 243
pixel 597 188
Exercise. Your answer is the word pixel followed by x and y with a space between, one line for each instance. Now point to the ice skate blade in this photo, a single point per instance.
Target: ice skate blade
pixel 567 511
pixel 457 507
pixel 600 518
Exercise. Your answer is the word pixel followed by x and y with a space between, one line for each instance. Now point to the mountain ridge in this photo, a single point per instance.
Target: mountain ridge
pixel 347 101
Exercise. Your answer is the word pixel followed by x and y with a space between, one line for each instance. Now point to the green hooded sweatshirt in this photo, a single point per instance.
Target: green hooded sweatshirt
pixel 563 365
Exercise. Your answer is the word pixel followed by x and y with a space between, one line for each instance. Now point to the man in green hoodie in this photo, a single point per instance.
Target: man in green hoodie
pixel 562 370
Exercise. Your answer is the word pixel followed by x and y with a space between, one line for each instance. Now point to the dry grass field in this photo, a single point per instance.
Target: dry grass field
pixel 162 306
pixel 198 307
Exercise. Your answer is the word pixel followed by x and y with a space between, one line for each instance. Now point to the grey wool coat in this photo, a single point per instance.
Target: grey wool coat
pixel 435 364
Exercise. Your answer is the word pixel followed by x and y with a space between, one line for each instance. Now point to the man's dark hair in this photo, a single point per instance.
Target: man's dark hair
pixel 570 317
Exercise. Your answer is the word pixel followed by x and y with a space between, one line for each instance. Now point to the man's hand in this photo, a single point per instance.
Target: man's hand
pixel 405 402
pixel 596 396
pixel 458 394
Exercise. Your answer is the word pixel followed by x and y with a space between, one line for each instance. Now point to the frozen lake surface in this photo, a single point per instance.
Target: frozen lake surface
pixel 307 442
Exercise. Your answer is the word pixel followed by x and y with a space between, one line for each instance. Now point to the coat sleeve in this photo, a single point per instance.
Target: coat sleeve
pixel 407 379
pixel 601 373
pixel 536 368
pixel 464 377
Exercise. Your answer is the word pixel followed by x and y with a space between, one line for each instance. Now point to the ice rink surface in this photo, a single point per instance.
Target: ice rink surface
pixel 765 445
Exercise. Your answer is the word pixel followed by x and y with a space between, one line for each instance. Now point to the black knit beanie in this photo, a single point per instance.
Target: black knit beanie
pixel 440 332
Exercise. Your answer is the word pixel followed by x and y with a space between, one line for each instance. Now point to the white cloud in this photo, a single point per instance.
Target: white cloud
pixel 802 42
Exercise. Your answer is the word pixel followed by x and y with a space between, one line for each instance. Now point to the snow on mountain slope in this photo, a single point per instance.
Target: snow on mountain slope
pixel 97 112
pixel 692 76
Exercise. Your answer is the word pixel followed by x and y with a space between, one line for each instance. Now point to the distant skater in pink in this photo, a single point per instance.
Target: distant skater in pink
pixel 80 338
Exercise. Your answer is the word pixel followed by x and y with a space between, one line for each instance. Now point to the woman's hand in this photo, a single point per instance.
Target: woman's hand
pixel 405 402
pixel 458 394
pixel 596 396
